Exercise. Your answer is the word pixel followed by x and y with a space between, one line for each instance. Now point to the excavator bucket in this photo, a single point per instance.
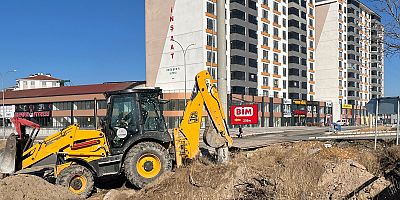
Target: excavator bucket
pixel 211 137
pixel 8 156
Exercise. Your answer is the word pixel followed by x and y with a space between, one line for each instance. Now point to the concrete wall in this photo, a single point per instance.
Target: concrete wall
pixel 174 20
pixel 327 57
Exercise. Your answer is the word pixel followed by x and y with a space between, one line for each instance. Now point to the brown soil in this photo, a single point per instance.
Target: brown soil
pixel 28 187
pixel 304 170
pixel 2 144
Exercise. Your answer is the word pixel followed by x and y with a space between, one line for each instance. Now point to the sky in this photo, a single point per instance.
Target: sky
pixel 88 41
pixel 85 41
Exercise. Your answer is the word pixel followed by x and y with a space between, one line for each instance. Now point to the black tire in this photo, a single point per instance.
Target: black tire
pixel 134 160
pixel 78 179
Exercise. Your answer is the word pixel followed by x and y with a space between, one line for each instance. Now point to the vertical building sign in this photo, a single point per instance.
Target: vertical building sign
pixel 173 70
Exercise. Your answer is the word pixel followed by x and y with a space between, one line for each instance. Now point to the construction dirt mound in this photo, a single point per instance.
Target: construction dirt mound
pixel 305 170
pixel 28 187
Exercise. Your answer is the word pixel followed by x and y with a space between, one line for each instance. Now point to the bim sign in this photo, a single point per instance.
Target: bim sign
pixel 245 114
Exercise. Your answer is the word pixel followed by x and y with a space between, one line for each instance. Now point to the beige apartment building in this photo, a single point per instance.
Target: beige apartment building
pixel 349 56
pixel 270 45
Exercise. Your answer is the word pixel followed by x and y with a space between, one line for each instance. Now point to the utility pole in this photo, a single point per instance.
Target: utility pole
pixel 2 76
pixel 223 153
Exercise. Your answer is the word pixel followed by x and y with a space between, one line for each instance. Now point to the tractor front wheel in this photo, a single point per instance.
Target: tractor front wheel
pixel 78 179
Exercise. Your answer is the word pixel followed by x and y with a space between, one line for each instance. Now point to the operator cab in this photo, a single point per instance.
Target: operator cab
pixel 133 115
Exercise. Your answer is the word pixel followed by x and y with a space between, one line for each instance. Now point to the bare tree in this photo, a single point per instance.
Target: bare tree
pixel 390 11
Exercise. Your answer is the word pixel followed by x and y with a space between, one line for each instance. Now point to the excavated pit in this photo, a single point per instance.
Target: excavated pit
pixel 302 170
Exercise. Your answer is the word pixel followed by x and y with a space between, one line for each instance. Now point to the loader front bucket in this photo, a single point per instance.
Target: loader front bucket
pixel 8 156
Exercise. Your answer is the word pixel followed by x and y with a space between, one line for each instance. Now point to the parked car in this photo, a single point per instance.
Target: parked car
pixel 343 122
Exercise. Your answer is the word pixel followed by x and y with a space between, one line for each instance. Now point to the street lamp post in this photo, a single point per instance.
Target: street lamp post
pixel 184 61
pixel 2 76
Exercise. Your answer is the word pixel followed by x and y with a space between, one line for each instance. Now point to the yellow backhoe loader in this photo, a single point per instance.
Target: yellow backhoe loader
pixel 133 141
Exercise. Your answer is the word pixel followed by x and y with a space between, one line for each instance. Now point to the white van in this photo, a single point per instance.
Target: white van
pixel 343 122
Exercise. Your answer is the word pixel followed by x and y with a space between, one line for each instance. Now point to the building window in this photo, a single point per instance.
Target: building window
pixel 211 40
pixel 276 83
pixel 252 77
pixel 265 14
pixel 265 81
pixel 276 6
pixel 253 48
pixel 265 67
pixel 253 63
pixel 252 33
pixel 238 14
pixel 62 106
pixel 239 60
pixel 276 32
pixel 276 57
pixel 210 24
pixel 265 28
pixel 211 56
pixel 276 44
pixel 238 75
pixel 276 19
pixel 238 29
pixel 265 41
pixel 265 54
pixel 210 7
pixel 252 4
pixel 84 105
pixel 252 19
pixel 237 44
pixel 276 70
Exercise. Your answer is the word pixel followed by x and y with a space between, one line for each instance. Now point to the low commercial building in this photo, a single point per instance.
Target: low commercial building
pixel 61 106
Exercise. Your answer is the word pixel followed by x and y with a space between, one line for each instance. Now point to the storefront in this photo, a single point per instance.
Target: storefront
pixel 39 113
pixel 313 117
pixel 347 113
pixel 299 112
pixel 328 113
pixel 62 106
pixel 8 112
pixel 287 112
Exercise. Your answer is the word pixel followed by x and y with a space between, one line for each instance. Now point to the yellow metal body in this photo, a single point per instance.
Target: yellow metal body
pixel 67 142
pixel 186 137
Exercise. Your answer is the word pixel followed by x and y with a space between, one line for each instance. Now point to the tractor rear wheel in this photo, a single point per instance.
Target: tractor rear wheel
pixel 78 179
pixel 145 162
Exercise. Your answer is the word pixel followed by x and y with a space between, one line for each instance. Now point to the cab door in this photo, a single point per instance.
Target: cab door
pixel 124 119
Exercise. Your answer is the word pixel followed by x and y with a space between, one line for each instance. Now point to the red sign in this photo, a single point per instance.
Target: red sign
pixel 299 112
pixel 32 114
pixel 245 114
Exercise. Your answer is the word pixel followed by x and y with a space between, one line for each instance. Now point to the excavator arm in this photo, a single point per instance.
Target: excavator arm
pixel 72 143
pixel 187 136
